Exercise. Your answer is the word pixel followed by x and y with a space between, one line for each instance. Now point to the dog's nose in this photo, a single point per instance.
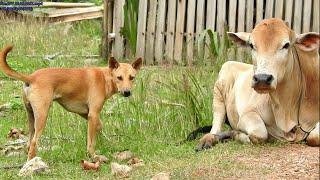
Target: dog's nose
pixel 126 93
pixel 262 79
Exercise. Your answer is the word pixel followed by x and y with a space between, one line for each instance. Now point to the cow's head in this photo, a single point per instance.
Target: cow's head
pixel 271 42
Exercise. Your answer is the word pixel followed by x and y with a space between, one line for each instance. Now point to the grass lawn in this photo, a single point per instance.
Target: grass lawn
pixel 167 104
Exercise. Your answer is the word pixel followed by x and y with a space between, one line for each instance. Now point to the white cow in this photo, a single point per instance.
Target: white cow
pixel 277 96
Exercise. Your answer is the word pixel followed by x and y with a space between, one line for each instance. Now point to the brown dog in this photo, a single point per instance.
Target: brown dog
pixel 79 90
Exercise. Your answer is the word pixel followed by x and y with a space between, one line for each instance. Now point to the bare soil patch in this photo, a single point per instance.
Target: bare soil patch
pixel 291 161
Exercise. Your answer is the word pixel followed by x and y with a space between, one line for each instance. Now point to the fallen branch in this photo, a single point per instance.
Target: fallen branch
pixel 12 166
pixel 62 55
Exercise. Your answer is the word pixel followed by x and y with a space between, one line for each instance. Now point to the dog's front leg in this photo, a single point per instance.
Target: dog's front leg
pixel 94 125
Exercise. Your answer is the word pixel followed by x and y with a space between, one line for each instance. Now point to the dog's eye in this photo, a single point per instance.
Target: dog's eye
pixel 119 77
pixel 286 46
pixel 131 78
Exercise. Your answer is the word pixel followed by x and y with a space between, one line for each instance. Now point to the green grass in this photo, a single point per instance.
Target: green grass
pixel 167 104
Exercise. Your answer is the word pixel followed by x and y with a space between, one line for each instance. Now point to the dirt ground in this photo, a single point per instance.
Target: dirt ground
pixel 292 161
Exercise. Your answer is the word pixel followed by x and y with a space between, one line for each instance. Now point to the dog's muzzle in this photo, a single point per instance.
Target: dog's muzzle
pixel 126 93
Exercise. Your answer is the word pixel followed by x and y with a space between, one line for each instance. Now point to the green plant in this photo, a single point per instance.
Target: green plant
pixel 129 29
pixel 216 45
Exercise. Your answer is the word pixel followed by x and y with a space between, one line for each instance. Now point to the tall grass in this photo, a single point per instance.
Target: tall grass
pixel 217 46
pixel 129 29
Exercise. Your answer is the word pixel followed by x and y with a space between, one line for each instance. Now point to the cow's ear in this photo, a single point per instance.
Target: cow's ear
pixel 240 38
pixel 137 63
pixel 308 41
pixel 113 63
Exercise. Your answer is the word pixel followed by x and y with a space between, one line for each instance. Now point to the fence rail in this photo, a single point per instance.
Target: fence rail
pixel 168 29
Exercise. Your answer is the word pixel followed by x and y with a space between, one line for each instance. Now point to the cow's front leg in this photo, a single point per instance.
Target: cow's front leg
pixel 313 138
pixel 219 116
pixel 253 126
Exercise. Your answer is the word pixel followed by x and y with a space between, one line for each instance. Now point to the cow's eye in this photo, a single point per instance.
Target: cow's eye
pixel 286 46
pixel 119 78
pixel 251 46
pixel 131 78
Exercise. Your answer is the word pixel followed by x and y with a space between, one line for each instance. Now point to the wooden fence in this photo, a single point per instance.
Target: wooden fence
pixel 168 29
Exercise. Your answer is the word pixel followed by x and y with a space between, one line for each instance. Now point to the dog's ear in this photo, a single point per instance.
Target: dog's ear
pixel 113 63
pixel 137 63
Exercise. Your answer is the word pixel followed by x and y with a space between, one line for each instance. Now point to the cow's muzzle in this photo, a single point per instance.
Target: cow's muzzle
pixel 262 82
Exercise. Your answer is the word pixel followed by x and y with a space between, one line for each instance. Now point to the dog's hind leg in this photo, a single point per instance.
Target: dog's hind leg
pixel 40 107
pixel 30 118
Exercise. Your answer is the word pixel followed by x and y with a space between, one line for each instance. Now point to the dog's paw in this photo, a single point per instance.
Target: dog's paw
pixel 206 142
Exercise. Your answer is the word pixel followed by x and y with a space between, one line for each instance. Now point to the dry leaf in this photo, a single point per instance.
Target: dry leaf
pixel 124 155
pixel 135 162
pixel 161 176
pixel 100 158
pixel 120 170
pixel 86 165
pixel 15 133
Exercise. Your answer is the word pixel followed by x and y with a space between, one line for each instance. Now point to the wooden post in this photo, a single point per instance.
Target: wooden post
pixel 297 16
pixel 179 31
pixel 151 25
pixel 190 30
pixel 118 17
pixel 159 43
pixel 289 12
pixel 141 29
pixel 316 14
pixel 307 9
pixel 171 21
pixel 105 41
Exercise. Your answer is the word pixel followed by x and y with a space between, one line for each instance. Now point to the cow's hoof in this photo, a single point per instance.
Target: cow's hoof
pixel 206 142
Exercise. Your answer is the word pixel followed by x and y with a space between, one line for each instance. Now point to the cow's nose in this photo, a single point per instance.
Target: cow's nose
pixel 265 79
pixel 126 93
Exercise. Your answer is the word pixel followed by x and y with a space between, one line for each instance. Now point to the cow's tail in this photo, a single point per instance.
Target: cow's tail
pixel 6 68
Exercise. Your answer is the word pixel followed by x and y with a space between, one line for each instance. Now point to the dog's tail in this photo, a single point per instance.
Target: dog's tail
pixel 7 70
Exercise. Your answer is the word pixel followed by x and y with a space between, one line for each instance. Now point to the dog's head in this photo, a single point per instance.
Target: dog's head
pixel 123 74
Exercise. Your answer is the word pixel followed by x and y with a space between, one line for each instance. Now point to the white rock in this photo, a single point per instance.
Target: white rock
pixel 120 170
pixel 161 176
pixel 35 165
pixel 124 155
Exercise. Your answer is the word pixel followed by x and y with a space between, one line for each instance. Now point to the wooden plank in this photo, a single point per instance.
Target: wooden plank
pixel 315 17
pixel 71 11
pixel 241 15
pixel 307 15
pixel 249 16
pixel 190 30
pixel 161 15
pixel 179 31
pixel 232 17
pixel 171 20
pixel 76 17
pixel 200 23
pixel 259 13
pixel 142 20
pixel 118 47
pixel 151 25
pixel 65 5
pixel 269 9
pixel 279 9
pixel 297 16
pixel 289 12
pixel 221 16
